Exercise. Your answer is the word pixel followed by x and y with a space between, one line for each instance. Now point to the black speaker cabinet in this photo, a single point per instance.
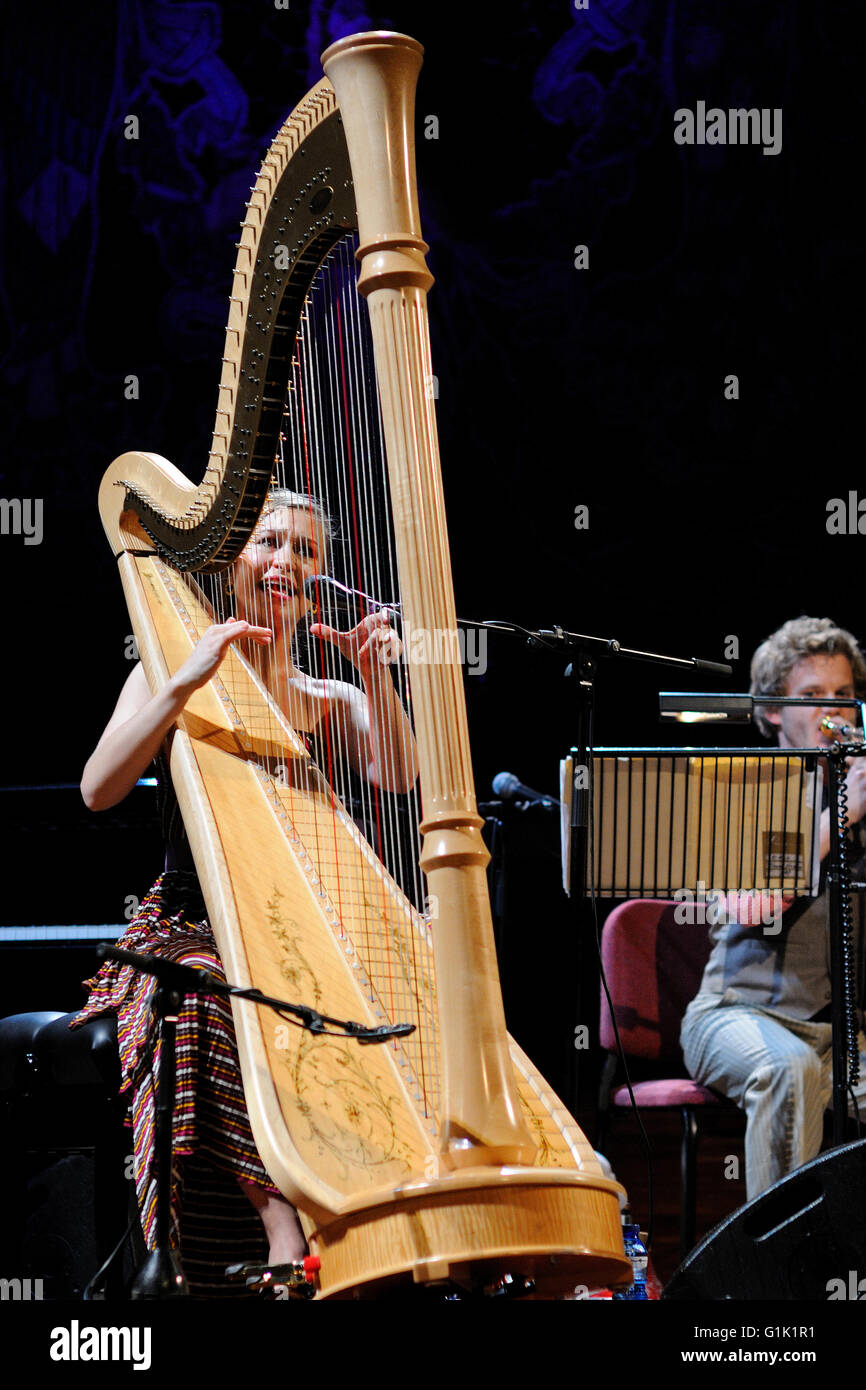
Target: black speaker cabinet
pixel 804 1238
pixel 64 1159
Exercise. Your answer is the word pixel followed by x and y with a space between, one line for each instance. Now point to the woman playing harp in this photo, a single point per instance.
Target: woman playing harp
pixel 442 1155
pixel 269 588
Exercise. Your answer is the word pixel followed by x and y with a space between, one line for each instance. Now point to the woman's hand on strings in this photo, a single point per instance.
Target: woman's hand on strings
pixel 211 650
pixel 372 643
pixel 372 723
pixel 140 722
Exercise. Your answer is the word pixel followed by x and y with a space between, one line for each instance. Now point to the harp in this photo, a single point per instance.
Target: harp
pixel 443 1155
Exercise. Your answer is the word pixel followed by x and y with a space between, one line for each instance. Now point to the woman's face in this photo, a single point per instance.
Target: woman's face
pixel 285 550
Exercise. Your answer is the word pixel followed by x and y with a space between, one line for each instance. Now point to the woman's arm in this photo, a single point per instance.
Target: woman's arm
pixel 130 741
pixel 376 733
pixel 372 725
pixel 140 722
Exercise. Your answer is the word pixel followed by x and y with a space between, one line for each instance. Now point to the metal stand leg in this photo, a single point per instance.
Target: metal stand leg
pixel 688 1171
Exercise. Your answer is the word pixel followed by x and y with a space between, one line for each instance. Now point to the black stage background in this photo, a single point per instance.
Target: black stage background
pixel 559 387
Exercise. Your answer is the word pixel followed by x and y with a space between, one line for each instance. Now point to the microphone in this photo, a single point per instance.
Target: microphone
pixel 344 594
pixel 335 600
pixel 509 788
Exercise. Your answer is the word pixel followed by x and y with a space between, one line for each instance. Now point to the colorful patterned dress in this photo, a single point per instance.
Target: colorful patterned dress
pixel 213 1222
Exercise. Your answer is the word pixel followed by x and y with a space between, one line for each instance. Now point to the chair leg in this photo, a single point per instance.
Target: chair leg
pixel 603 1113
pixel 688 1171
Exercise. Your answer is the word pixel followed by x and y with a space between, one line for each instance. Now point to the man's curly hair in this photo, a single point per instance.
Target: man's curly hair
pixel 775 659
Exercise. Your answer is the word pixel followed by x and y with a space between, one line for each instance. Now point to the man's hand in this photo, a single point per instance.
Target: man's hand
pixel 756 907
pixel 855 787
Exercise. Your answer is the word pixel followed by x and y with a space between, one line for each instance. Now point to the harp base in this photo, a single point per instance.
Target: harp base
pixel 557 1227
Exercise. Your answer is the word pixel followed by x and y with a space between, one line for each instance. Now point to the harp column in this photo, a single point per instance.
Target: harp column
pixel 374 76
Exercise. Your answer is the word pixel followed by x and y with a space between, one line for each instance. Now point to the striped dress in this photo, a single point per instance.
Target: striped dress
pixel 213 1222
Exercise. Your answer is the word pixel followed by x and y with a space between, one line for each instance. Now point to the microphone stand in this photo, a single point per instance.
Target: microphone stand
pixel 845 1054
pixel 161 1275
pixel 588 650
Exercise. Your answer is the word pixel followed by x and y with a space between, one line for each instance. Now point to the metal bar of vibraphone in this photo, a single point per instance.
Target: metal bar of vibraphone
pixel 808 851
pixel 601 773
pixel 685 822
pixel 757 821
pixel 700 819
pixel 615 825
pixel 711 876
pixel 728 826
pixel 785 827
pixel 656 836
pixel 768 864
pixel 742 847
pixel 628 827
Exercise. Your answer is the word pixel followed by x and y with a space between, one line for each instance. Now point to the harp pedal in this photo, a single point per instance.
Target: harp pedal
pixel 293 1280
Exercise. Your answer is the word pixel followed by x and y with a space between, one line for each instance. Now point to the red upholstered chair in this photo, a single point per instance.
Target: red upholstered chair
pixel 653 967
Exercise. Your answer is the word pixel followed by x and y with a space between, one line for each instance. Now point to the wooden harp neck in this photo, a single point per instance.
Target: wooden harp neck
pixel 374 76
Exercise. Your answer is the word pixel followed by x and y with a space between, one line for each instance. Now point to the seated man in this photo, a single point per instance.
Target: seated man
pixel 759 1028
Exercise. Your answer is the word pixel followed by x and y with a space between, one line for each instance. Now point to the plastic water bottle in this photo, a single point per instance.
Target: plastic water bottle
pixel 636 1252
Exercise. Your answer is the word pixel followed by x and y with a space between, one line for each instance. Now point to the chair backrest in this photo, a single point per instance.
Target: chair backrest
pixel 653 965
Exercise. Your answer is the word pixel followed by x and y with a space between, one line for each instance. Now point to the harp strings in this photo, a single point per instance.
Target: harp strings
pixel 335 398
pixel 331 453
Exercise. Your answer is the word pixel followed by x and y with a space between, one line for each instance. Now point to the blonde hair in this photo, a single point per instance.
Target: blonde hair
pixel 795 640
pixel 279 497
